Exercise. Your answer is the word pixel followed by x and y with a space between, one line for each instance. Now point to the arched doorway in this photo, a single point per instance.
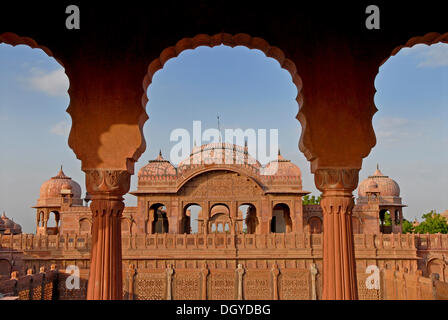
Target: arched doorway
pixel 281 219
pixel 158 219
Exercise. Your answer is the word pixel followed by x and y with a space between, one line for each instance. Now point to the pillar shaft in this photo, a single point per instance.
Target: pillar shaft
pixel 339 265
pixel 106 189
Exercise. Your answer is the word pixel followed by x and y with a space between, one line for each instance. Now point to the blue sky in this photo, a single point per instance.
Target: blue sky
pixel 247 90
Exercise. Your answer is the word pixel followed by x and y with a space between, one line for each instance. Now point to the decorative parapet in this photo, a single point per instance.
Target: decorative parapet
pixel 81 242
pixel 40 286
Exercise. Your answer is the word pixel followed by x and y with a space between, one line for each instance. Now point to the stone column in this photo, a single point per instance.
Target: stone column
pixel 204 274
pixel 339 265
pixel 314 272
pixel 275 272
pixel 169 281
pixel 106 188
pixel 240 272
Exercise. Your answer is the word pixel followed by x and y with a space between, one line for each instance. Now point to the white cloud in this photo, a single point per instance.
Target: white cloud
pixel 61 129
pixel 392 129
pixel 52 83
pixel 433 56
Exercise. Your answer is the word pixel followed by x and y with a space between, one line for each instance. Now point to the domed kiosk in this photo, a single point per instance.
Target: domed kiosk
pixel 57 192
pixel 382 193
pixel 8 226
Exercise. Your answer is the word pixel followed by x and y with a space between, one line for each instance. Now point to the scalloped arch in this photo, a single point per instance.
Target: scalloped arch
pixel 240 39
pixel 15 40
pixel 428 39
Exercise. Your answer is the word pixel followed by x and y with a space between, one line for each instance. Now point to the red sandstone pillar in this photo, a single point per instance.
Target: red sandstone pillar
pixel 339 265
pixel 106 188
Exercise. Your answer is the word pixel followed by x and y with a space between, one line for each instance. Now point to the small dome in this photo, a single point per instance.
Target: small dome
pixel 52 188
pixel 7 223
pixel 385 186
pixel 282 168
pixel 158 167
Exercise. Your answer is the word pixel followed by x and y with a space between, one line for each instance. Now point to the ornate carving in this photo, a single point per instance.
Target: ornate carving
pixel 257 285
pixel 327 180
pixel 111 182
pixel 186 285
pixel 294 285
pixel 222 285
pixel 220 184
pixel 151 286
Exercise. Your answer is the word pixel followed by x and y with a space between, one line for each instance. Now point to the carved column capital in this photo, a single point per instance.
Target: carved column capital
pixel 107 184
pixel 331 180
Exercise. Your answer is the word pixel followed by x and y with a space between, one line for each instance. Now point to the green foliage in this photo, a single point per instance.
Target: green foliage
pixel 433 223
pixel 408 227
pixel 311 200
pixel 387 219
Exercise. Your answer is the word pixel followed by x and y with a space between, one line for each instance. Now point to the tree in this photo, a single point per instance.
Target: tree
pixel 387 219
pixel 311 200
pixel 408 227
pixel 433 223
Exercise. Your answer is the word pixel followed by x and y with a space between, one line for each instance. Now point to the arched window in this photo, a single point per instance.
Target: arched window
pixel 53 223
pixel 190 222
pixel 250 220
pixel 315 225
pixel 385 221
pixel 84 226
pixel 219 217
pixel 158 213
pixel 281 219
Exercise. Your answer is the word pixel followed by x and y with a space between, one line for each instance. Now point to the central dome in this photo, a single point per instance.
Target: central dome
pixel 158 167
pixel 219 153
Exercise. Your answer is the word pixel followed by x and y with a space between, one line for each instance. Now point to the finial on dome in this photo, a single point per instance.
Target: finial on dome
pixel 279 153
pixel 61 173
pixel 4 214
pixel 160 153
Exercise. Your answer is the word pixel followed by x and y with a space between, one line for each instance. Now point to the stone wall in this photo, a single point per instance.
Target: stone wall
pixel 246 266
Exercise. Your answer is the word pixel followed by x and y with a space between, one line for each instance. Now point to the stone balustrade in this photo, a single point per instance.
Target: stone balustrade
pixel 39 286
pixel 30 242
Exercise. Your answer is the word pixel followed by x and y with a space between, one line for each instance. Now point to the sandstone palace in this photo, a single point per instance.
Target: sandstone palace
pixel 210 230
